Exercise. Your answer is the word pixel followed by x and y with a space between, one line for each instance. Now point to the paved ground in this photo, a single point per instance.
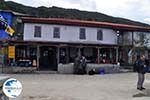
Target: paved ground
pixel 76 87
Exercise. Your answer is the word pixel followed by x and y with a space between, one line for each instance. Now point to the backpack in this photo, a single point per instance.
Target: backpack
pixel 92 72
pixel 135 66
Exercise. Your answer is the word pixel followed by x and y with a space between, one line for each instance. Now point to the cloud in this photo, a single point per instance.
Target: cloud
pixel 132 9
pixel 76 4
pixel 147 20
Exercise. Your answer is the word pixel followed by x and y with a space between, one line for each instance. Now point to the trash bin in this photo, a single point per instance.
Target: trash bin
pixel 101 71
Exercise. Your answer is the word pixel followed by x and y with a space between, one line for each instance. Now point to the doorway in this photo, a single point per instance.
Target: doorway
pixel 47 59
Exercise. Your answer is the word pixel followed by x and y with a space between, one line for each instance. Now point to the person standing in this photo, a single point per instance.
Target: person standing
pixel 141 70
pixel 83 64
pixel 76 64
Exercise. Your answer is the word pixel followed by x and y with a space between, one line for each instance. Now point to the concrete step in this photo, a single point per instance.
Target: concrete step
pixel 46 72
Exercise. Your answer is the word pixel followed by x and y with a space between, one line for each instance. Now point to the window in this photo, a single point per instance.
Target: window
pixel 56 32
pixel 82 33
pixel 99 34
pixel 37 31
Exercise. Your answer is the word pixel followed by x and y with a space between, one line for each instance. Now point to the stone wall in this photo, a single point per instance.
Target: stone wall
pixel 10 69
pixel 108 68
pixel 65 68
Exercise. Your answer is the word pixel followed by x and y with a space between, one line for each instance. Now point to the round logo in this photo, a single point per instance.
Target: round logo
pixel 12 88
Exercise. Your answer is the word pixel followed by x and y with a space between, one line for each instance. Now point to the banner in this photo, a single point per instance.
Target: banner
pixel 9 30
pixel 5 26
pixel 11 52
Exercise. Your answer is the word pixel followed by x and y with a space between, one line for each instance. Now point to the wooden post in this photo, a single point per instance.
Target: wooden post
pixel 110 53
pixel 67 54
pixel 132 38
pixel 98 56
pixel 58 54
pixel 116 54
pixel 28 51
pixel 38 56
pixel 79 52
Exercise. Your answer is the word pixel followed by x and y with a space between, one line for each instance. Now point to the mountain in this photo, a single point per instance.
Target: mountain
pixel 56 12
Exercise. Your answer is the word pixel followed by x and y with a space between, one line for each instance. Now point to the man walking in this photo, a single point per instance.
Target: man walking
pixel 141 72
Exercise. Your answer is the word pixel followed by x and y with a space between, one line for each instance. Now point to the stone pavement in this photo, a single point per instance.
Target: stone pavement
pixel 81 87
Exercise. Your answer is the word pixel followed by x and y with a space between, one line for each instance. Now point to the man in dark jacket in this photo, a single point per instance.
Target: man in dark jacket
pixel 141 72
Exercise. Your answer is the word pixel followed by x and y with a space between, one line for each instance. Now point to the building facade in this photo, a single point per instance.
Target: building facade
pixel 51 41
pixel 65 42
pixel 44 43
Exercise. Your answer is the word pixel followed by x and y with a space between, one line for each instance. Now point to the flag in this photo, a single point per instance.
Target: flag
pixel 5 26
pixel 2 23
pixel 2 18
pixel 9 30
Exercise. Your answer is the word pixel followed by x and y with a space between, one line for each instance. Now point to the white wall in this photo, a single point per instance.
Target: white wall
pixel 69 34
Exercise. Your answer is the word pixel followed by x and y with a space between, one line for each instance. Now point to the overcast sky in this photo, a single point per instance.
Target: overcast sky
pixel 138 10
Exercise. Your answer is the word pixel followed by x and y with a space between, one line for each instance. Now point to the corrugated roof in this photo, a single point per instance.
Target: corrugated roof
pixel 74 22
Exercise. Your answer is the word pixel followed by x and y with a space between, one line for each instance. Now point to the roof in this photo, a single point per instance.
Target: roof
pixel 74 22
pixel 15 13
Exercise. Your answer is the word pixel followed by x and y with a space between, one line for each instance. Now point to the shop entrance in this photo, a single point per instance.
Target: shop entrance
pixel 47 59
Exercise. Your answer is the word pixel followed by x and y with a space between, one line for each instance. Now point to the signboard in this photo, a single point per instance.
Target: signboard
pixel 11 52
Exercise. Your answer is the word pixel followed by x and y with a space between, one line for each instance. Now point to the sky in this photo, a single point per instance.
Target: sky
pixel 138 10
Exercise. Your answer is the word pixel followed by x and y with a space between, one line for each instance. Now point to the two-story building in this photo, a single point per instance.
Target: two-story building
pixel 50 41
